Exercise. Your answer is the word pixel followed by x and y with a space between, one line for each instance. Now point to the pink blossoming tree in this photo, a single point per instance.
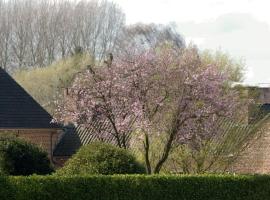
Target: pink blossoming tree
pixel 159 93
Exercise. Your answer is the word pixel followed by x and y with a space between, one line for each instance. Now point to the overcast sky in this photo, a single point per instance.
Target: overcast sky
pixel 239 27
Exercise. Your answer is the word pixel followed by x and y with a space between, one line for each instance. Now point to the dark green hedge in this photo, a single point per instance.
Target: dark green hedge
pixel 136 187
pixel 18 157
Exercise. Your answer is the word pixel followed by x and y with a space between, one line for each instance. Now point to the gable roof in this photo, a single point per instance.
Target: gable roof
pixel 18 109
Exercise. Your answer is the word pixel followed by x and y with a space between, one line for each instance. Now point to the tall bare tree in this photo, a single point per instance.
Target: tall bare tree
pixel 37 32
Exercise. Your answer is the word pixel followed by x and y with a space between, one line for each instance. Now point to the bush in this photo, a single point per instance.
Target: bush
pixel 137 187
pixel 101 158
pixel 18 157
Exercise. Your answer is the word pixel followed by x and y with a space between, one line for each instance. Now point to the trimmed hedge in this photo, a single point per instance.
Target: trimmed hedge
pixel 136 187
pixel 101 158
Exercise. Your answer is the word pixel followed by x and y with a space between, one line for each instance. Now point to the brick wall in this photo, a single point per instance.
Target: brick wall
pixel 256 158
pixel 264 95
pixel 46 139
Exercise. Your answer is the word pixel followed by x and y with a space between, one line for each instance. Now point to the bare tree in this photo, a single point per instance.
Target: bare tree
pixel 37 32
pixel 5 34
pixel 147 36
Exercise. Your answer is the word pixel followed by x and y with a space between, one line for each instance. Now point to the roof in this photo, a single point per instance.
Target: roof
pixel 259 112
pixel 264 110
pixel 76 136
pixel 18 110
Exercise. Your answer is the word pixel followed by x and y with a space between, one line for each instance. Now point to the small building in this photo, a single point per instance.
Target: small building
pixel 21 115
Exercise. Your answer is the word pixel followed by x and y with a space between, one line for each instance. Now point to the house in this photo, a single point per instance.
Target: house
pixel 23 116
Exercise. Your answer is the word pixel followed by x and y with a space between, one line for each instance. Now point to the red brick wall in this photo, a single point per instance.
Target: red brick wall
pixel 256 159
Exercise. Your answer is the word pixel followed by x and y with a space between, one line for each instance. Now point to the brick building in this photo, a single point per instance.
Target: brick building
pixel 21 115
pixel 256 159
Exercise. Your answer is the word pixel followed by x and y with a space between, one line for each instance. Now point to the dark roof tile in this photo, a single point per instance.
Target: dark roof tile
pixel 18 109
pixel 76 136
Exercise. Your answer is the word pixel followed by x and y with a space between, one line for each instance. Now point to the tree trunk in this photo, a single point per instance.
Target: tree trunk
pixel 146 154
pixel 165 154
pixel 175 125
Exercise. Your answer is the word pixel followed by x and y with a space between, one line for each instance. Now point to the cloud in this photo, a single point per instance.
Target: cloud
pixel 164 11
pixel 242 35
pixel 240 27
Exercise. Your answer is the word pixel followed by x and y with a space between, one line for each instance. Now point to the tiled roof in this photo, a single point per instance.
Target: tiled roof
pixel 77 136
pixel 261 110
pixel 265 108
pixel 18 109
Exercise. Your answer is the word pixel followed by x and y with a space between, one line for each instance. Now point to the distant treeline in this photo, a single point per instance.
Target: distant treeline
pixel 37 32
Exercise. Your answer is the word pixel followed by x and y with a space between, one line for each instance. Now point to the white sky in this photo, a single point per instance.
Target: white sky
pixel 239 27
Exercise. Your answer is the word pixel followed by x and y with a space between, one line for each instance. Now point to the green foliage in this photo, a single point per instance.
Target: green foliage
pixel 101 158
pixel 7 134
pixel 46 84
pixel 136 187
pixel 235 68
pixel 18 157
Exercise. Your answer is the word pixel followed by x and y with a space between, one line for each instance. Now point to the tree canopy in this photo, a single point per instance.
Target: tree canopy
pixel 161 91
